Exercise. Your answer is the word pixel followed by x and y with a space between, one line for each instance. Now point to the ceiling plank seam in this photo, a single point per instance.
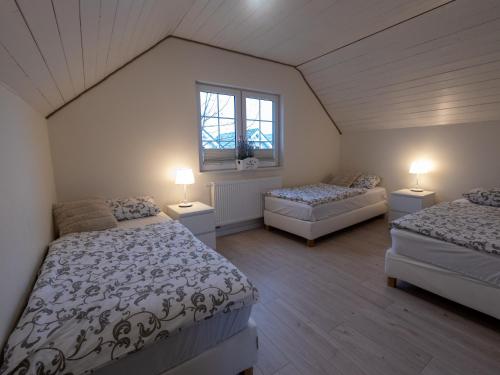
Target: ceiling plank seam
pixel 39 49
pixel 372 34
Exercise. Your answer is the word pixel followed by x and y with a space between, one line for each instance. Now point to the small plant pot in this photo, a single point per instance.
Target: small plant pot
pixel 247 164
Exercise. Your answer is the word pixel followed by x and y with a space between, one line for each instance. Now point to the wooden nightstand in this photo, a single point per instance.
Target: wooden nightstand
pixel 405 201
pixel 199 219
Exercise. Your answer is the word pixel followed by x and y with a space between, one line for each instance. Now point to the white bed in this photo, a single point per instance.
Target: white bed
pixel 225 344
pixel 461 274
pixel 311 222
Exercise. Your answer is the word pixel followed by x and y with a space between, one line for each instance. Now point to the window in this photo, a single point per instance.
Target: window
pixel 225 115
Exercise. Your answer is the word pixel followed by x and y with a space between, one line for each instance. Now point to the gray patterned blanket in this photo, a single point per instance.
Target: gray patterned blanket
pixel 102 295
pixel 316 194
pixel 462 223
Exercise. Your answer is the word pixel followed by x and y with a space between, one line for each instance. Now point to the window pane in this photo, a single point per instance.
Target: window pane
pixel 266 110
pixel 208 104
pixel 252 109
pixel 227 134
pixel 217 132
pixel 210 137
pixel 266 129
pixel 253 131
pixel 209 121
pixel 226 106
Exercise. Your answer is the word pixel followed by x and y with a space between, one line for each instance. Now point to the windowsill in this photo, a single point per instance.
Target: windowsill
pixel 234 170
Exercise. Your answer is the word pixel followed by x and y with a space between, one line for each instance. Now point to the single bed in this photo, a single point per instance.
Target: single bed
pixel 146 297
pixel 449 250
pixel 313 211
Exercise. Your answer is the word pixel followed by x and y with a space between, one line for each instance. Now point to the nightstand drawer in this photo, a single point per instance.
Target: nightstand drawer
pixel 199 223
pixel 406 201
pixel 405 204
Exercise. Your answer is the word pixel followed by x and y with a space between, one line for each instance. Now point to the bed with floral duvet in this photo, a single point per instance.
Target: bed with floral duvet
pixel 103 295
pixel 451 249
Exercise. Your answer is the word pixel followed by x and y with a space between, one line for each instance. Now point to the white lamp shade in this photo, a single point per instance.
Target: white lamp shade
pixel 420 167
pixel 184 176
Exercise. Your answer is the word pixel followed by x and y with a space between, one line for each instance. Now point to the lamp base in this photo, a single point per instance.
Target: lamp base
pixel 185 204
pixel 417 190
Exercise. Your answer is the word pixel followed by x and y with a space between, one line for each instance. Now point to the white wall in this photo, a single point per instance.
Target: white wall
pixel 129 134
pixel 26 196
pixel 464 156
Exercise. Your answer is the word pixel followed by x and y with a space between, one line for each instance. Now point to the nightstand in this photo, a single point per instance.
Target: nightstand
pixel 199 219
pixel 403 202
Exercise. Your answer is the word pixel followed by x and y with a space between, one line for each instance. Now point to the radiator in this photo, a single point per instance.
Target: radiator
pixel 240 200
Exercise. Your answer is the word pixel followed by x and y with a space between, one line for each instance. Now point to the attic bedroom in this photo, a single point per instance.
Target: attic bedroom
pixel 266 187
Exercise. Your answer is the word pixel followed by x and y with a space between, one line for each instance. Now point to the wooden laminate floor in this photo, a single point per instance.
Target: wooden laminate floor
pixel 327 310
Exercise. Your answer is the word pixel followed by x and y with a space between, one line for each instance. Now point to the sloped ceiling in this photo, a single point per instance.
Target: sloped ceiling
pixel 372 64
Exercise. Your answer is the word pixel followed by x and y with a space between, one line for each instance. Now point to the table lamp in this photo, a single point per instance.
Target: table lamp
pixel 417 168
pixel 184 177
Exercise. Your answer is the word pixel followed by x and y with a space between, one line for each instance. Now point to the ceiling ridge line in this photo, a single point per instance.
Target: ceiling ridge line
pixel 210 46
pixel 373 34
pixel 232 51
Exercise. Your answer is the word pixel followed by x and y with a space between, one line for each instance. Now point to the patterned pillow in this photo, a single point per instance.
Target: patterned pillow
pixel 133 207
pixel 366 181
pixel 484 197
pixel 344 179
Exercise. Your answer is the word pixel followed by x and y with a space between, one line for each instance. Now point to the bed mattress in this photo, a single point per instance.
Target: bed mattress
pixel 475 264
pixel 323 211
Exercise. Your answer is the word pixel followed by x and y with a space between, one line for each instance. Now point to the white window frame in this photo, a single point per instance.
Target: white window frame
pixel 227 158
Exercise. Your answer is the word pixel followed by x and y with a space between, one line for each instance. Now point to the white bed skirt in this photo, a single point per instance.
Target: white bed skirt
pixel 470 292
pixel 314 229
pixel 230 357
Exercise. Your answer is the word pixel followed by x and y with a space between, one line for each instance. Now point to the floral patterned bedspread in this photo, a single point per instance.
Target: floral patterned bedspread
pixel 461 222
pixel 102 295
pixel 316 194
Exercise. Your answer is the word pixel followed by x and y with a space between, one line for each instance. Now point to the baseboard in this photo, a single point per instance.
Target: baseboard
pixel 225 230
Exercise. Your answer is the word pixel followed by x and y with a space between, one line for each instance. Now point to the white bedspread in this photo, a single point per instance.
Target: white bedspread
pixel 102 295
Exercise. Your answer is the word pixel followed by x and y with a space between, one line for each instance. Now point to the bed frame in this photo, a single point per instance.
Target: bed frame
pixel 311 230
pixel 457 287
pixel 234 355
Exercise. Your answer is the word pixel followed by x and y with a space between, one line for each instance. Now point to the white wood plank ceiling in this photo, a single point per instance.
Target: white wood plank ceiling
pixel 372 63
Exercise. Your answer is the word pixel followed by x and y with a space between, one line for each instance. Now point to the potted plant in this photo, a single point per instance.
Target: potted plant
pixel 245 156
